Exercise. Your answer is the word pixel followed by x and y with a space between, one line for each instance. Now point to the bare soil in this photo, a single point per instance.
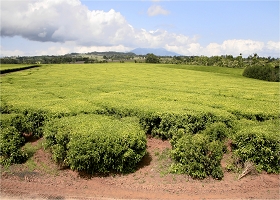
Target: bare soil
pixel 40 178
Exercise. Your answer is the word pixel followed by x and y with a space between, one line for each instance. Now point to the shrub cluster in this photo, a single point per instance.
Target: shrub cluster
pixel 30 122
pixel 14 131
pixel 166 125
pixel 197 138
pixel 262 72
pixel 96 144
pixel 11 142
pixel 199 155
pixel 262 148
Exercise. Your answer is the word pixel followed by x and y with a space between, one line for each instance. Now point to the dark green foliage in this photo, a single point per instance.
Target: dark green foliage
pixel 11 142
pixel 262 72
pixel 152 58
pixel 95 143
pixel 30 122
pixel 116 112
pixel 57 139
pixel 167 124
pixel 254 116
pixel 197 156
pixel 104 153
pixel 260 147
pixel 4 108
pixel 4 71
pixel 14 128
pixel 217 131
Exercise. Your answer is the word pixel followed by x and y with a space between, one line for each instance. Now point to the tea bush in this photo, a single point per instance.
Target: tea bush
pixel 166 125
pixel 197 156
pixel 94 143
pixel 30 122
pixel 11 142
pixel 14 128
pixel 260 147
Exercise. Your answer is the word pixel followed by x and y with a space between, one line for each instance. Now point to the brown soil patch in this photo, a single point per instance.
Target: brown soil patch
pixel 47 181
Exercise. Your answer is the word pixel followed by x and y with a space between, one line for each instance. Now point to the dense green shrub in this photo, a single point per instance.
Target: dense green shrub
pixel 11 142
pixel 260 147
pixel 152 58
pixel 197 156
pixel 4 108
pixel 166 125
pixel 95 143
pixel 57 139
pixel 217 131
pixel 14 128
pixel 262 72
pixel 30 122
pixel 255 116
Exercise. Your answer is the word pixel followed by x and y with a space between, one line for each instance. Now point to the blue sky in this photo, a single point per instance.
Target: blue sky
pixel 54 27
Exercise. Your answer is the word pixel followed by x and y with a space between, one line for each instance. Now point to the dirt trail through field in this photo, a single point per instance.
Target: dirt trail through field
pixel 150 181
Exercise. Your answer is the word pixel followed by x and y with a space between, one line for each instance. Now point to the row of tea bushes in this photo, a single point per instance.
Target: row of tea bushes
pixel 96 143
pixel 113 139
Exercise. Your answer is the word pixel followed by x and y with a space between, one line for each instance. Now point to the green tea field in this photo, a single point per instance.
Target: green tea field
pixel 97 118
pixel 140 87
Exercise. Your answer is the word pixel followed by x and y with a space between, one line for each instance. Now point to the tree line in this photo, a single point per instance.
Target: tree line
pixel 222 61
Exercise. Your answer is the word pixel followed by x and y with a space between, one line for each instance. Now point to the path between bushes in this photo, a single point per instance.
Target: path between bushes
pixel 46 181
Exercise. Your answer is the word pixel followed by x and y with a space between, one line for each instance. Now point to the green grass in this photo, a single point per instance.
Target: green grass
pixel 143 87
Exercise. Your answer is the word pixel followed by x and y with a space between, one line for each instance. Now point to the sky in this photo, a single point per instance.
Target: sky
pixel 209 28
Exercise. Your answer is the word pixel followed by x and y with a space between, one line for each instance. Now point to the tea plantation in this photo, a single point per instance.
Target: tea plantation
pixel 94 117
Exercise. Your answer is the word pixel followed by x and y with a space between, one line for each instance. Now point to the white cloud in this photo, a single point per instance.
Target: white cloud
pixel 230 47
pixel 273 45
pixel 157 10
pixel 6 52
pixel 64 21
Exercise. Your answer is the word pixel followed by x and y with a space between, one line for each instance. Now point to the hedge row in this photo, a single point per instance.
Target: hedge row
pixel 4 71
pixel 197 138
pixel 266 72
pixel 113 140
pixel 94 143
pixel 166 125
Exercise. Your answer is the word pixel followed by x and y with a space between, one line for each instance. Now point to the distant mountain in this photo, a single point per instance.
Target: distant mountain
pixel 158 52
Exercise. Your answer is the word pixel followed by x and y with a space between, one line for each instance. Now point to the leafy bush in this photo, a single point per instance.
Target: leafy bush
pixel 152 58
pixel 95 143
pixel 14 128
pixel 168 124
pixel 57 138
pixel 197 156
pixel 4 108
pixel 30 122
pixel 259 116
pixel 260 147
pixel 266 72
pixel 11 142
pixel 217 131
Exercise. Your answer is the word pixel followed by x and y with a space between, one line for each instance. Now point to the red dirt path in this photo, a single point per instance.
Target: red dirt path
pixel 46 181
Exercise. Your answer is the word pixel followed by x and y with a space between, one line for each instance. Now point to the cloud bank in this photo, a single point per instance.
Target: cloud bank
pixel 157 10
pixel 78 29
